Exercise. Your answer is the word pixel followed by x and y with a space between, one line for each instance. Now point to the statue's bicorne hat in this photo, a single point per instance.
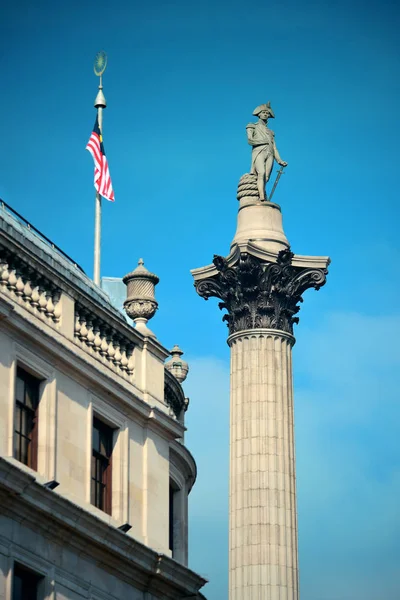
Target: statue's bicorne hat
pixel 266 107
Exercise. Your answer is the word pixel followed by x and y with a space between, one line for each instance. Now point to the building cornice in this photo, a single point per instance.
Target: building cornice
pixel 56 517
pixel 183 461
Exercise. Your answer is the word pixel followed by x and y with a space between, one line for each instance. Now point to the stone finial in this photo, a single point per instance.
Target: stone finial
pixel 176 365
pixel 140 304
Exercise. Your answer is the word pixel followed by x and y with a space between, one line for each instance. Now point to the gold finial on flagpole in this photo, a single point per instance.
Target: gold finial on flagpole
pixel 100 64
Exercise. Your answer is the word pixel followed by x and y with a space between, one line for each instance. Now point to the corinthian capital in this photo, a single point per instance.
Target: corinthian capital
pixel 258 294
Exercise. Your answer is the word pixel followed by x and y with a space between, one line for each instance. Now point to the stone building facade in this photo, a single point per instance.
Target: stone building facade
pixel 94 474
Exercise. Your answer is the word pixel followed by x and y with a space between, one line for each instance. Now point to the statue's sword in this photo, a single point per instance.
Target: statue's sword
pixel 280 172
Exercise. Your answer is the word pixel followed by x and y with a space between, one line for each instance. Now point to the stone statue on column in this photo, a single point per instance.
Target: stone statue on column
pixel 264 151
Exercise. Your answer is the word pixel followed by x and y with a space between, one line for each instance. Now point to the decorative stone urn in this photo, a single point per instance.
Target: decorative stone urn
pixel 176 365
pixel 140 304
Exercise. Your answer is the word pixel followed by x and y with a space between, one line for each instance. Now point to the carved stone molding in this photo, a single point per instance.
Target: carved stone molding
pixel 173 394
pixel 258 294
pixel 144 308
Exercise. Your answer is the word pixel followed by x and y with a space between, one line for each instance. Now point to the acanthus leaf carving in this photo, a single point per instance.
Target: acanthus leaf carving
pixel 257 294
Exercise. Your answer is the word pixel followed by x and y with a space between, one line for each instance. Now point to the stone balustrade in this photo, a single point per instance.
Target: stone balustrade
pixel 29 287
pixel 100 338
pixel 28 284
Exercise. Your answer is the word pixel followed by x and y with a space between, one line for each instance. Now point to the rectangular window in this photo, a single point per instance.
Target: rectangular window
pixel 25 583
pixel 26 418
pixel 174 518
pixel 171 517
pixel 102 444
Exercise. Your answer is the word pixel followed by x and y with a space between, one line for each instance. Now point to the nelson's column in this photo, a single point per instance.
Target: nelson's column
pixel 260 285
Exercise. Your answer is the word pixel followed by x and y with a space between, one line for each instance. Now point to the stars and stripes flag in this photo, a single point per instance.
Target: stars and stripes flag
pixel 102 179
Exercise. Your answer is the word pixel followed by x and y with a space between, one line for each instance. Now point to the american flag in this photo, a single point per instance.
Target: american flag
pixel 102 179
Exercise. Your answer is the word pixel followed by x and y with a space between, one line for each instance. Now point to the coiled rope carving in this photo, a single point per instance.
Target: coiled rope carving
pixel 247 186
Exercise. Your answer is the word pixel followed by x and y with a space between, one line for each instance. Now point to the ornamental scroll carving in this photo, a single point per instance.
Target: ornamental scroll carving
pixel 260 295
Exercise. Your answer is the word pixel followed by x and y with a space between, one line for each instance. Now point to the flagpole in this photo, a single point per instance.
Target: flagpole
pixel 100 104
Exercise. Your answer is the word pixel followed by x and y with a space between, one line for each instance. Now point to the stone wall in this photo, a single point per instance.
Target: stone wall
pixel 141 468
pixel 67 574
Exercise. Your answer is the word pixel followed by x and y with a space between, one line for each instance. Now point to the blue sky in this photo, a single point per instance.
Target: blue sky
pixel 182 81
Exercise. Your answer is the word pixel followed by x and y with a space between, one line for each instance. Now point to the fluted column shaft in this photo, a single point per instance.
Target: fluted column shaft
pixel 263 561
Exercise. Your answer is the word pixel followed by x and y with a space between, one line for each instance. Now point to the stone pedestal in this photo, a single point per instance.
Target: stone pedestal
pixel 260 222
pixel 263 527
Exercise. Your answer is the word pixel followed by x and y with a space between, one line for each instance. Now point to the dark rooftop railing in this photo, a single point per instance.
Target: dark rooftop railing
pixel 22 219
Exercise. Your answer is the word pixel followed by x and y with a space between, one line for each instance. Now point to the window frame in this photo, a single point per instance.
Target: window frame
pixel 28 414
pixel 174 517
pixel 109 413
pixel 182 478
pixel 171 511
pixel 35 362
pixel 103 461
pixel 33 577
